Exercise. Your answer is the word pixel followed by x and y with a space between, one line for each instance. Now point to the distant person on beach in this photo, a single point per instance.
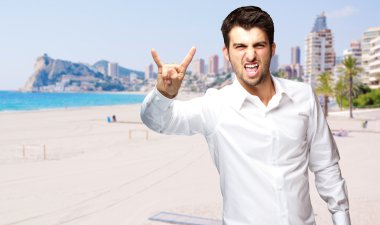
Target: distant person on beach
pixel 114 119
pixel 341 133
pixel 365 124
pixel 263 132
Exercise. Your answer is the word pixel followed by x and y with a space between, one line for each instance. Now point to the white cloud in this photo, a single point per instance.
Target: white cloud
pixel 343 12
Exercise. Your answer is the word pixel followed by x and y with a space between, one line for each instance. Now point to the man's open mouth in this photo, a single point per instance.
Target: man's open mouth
pixel 251 68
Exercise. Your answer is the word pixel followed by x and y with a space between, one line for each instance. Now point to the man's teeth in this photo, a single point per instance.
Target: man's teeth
pixel 251 66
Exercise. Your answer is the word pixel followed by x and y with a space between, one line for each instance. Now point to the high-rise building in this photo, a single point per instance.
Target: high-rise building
pixel 320 23
pixel 319 51
pixel 199 67
pixel 293 71
pixel 295 68
pixel 227 68
pixel 213 65
pixel 149 72
pixel 296 55
pixel 113 69
pixel 368 35
pixel 355 51
pixel 374 62
pixel 298 72
pixel 274 64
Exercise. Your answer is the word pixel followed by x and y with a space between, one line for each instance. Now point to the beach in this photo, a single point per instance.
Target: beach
pixel 71 166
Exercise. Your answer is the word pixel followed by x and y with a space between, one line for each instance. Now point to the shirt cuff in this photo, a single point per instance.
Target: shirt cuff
pixel 162 102
pixel 341 218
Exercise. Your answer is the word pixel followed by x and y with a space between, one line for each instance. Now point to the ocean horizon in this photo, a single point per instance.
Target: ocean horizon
pixel 27 101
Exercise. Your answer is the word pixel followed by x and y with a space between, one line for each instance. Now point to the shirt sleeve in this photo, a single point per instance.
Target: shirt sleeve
pixel 323 161
pixel 170 116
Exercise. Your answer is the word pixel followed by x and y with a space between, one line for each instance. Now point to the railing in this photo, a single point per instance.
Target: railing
pixel 131 131
pixel 29 146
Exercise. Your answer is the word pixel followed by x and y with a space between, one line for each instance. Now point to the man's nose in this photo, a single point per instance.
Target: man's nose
pixel 250 54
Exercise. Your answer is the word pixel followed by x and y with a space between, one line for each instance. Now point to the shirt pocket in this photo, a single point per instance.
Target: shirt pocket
pixel 293 134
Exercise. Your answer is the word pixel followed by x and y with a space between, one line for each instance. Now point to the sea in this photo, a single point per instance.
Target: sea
pixel 25 101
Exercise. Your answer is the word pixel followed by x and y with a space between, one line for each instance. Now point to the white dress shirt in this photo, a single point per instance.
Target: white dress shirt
pixel 262 152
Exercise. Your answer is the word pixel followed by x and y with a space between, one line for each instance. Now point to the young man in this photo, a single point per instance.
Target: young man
pixel 264 133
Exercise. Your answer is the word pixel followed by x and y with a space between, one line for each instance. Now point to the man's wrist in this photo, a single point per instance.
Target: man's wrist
pixel 341 218
pixel 167 95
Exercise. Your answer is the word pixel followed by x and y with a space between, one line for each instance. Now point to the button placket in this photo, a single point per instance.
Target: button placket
pixel 274 138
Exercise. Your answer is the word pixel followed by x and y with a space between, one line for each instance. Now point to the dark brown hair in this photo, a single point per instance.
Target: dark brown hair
pixel 248 17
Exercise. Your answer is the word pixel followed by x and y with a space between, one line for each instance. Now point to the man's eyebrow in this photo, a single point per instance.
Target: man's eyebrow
pixel 261 43
pixel 238 44
pixel 254 44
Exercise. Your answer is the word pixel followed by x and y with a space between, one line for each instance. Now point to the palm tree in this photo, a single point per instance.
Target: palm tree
pixel 340 91
pixel 350 70
pixel 281 74
pixel 325 88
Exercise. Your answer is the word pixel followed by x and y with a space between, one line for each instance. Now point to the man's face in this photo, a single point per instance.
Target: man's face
pixel 249 53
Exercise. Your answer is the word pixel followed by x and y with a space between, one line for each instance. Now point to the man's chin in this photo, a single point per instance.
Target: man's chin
pixel 253 82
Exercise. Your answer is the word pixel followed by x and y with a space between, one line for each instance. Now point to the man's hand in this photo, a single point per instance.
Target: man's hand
pixel 170 76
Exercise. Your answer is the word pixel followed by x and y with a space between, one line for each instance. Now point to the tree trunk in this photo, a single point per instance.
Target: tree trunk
pixel 351 97
pixel 325 107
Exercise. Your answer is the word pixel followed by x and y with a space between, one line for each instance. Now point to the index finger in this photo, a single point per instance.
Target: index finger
pixel 156 58
pixel 187 60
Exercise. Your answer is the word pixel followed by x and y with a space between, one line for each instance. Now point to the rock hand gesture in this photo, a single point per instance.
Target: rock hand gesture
pixel 170 76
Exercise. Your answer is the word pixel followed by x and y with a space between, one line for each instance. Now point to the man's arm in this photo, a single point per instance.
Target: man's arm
pixel 169 116
pixel 324 157
pixel 163 114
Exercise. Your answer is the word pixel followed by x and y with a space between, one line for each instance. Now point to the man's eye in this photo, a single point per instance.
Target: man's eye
pixel 261 46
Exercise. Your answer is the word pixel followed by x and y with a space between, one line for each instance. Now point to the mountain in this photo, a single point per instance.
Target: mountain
pixel 62 75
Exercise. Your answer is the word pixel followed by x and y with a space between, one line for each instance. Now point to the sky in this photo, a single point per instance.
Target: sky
pixel 124 31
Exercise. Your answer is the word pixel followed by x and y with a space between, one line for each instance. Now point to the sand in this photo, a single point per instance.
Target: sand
pixel 70 166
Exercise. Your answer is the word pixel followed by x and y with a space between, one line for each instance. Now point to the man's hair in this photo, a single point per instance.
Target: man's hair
pixel 248 17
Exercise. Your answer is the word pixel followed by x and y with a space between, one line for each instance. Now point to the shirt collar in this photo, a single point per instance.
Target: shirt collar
pixel 241 94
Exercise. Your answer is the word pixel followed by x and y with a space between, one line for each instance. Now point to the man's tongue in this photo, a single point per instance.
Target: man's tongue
pixel 251 70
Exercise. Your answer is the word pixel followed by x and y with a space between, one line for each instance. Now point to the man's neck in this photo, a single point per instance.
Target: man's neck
pixel 265 91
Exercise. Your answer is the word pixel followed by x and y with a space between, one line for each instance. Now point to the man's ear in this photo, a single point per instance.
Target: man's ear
pixel 273 49
pixel 225 53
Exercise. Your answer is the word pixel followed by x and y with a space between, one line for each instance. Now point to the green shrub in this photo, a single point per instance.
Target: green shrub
pixel 370 99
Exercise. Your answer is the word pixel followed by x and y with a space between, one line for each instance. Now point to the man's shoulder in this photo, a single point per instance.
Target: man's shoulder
pixel 217 98
pixel 219 93
pixel 298 91
pixel 291 84
pixel 294 88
